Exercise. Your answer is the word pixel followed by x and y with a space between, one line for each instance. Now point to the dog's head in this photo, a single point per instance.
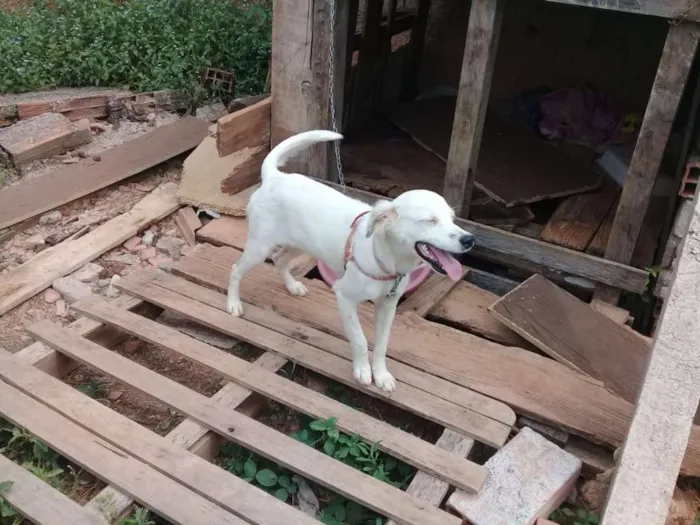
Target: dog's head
pixel 421 222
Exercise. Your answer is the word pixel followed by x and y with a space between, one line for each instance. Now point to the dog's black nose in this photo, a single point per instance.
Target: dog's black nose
pixel 467 241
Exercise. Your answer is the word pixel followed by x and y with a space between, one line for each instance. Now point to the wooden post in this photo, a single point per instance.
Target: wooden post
pixel 301 35
pixel 671 77
pixel 412 68
pixel 474 87
pixel 650 461
pixel 368 60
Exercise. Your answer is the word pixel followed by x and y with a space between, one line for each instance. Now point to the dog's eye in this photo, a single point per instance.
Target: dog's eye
pixel 431 220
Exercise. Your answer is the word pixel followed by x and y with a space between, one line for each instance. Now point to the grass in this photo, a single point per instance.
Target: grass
pixel 144 45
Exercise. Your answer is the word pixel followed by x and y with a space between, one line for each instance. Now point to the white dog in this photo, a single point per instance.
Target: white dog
pixel 372 250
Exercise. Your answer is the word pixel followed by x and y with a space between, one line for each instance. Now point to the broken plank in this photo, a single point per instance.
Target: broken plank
pixel 40 271
pixel 391 440
pixel 32 197
pixel 244 175
pixel 188 223
pixel 618 315
pixel 160 454
pixel 428 295
pixel 246 432
pixel 574 334
pixel 247 128
pixel 466 308
pixel 150 488
pixel 39 502
pixel 577 218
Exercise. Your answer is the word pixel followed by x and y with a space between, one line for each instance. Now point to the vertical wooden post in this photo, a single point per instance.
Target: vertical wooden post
pixel 416 44
pixel 651 458
pixel 474 86
pixel 671 77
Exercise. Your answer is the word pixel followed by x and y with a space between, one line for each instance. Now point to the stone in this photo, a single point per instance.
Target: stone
pixel 114 395
pixel 212 112
pixel 51 296
pixel 103 282
pixel 148 253
pixel 61 308
pixel 132 243
pixel 112 291
pixel 148 237
pixel 50 218
pixel 527 479
pixel 89 273
pixel 71 289
pixel 171 246
pixel 196 330
pixel 33 242
pixel 131 346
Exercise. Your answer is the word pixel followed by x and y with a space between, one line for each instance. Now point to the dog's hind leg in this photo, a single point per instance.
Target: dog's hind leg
pixel 255 253
pixel 282 259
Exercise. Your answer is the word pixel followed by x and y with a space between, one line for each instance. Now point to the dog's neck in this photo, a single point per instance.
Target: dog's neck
pixel 379 255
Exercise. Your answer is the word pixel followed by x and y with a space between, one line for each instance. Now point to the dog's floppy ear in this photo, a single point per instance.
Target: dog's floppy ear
pixel 383 214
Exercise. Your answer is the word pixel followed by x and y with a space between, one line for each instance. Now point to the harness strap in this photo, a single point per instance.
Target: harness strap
pixel 350 257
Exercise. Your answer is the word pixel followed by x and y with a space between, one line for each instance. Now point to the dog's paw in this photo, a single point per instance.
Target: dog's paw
pixel 298 289
pixel 362 373
pixel 234 307
pixel 384 380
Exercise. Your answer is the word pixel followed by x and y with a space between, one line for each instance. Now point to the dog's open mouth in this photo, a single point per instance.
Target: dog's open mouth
pixel 441 261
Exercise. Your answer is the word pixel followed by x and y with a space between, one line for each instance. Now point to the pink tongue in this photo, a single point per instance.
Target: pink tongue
pixel 451 265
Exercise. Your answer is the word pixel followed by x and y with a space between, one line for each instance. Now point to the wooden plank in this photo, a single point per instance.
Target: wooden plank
pixel 663 421
pixel 537 256
pixel 244 175
pixel 247 128
pixel 491 282
pixel 392 440
pixel 474 423
pixel 677 9
pixel 574 334
pixel 432 490
pixel 203 173
pixel 428 295
pixel 40 194
pixel 600 240
pixel 577 218
pixel 617 315
pixel 39 502
pixel 188 223
pixel 160 454
pixel 150 488
pixel 531 384
pixel 298 457
pixel 671 76
pixel 483 32
pixel 41 270
pixel 466 308
pixel 416 48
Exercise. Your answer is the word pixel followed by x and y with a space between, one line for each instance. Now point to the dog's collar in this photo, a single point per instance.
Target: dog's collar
pixel 396 277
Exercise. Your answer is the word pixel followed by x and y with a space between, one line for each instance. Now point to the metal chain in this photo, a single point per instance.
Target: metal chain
pixel 331 95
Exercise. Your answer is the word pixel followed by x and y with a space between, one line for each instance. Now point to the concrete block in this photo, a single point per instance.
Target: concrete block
pixel 527 479
pixel 71 289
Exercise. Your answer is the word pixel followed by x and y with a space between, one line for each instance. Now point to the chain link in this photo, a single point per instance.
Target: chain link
pixel 331 94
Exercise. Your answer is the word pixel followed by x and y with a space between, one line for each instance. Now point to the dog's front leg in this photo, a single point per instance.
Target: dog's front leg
pixel 385 311
pixel 358 342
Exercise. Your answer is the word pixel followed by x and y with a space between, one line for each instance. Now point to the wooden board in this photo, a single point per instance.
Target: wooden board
pixel 531 384
pixel 577 218
pixel 514 166
pixel 390 439
pixel 674 68
pixel 466 308
pixel 255 436
pixel 478 422
pixel 165 456
pixel 150 488
pixel 247 128
pixel 40 271
pixel 188 223
pixel 38 501
pixel 428 295
pixel 574 334
pixel 664 8
pixel 32 197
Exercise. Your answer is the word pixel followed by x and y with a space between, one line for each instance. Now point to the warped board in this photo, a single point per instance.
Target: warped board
pixel 514 167
pixel 577 218
pixel 574 334
pixel 32 197
pixel 531 384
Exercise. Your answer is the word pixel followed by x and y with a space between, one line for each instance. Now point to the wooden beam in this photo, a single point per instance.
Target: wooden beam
pixel 671 77
pixel 474 86
pixel 246 128
pixel 677 9
pixel 658 436
pixel 368 60
pixel 412 66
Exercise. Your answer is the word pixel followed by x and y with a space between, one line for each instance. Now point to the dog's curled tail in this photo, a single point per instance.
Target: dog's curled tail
pixel 288 147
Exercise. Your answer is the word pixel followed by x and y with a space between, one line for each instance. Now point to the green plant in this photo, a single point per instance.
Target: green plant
pixel 568 516
pixel 93 389
pixel 143 44
pixel 140 516
pixel 8 515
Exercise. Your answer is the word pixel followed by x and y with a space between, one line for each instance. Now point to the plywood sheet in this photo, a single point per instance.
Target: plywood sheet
pixel 514 166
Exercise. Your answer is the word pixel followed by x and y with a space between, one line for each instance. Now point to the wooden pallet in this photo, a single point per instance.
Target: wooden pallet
pixel 171 475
